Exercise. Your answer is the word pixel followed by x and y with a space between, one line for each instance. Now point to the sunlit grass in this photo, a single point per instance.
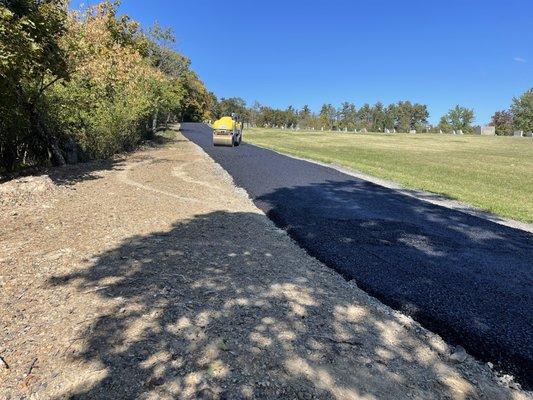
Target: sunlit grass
pixel 492 173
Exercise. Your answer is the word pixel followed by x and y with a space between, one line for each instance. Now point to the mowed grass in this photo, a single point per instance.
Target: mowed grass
pixel 492 173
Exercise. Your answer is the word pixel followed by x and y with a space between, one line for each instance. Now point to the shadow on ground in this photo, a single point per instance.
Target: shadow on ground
pixel 466 278
pixel 69 175
pixel 210 309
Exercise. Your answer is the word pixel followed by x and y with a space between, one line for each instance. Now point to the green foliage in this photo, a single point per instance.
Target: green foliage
pixel 503 122
pixel 327 116
pixel 197 102
pixel 347 116
pixel 31 60
pixel 232 105
pixel 458 118
pixel 522 111
pixel 93 78
pixel 402 116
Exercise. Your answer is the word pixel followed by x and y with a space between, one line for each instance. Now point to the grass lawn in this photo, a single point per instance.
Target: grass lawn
pixel 492 173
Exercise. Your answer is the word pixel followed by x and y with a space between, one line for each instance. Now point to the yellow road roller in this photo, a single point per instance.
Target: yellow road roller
pixel 227 131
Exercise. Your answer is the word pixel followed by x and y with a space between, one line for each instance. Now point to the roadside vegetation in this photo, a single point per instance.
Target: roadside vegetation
pixel 493 173
pixel 402 116
pixel 80 85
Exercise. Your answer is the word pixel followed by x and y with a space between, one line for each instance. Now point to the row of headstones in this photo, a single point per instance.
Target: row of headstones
pixel 297 128
pixel 364 130
pixel 522 134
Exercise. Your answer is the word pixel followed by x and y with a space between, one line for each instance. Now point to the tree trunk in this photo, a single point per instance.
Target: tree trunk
pixel 39 127
pixel 154 123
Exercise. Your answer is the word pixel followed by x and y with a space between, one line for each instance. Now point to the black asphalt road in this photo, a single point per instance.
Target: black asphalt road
pixel 468 279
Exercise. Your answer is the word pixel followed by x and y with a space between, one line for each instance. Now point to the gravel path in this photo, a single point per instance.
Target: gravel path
pixel 152 276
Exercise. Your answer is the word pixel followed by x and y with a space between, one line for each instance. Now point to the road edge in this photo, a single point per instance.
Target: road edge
pixel 422 195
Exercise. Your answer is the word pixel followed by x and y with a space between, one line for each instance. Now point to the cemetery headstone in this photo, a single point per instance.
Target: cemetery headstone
pixel 518 133
pixel 485 130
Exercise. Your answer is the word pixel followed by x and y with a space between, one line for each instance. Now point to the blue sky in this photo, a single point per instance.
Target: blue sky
pixel 476 53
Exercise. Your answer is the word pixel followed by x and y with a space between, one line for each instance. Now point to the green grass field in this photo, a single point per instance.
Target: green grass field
pixel 492 173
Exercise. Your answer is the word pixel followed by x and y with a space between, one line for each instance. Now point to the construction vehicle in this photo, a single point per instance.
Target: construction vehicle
pixel 227 131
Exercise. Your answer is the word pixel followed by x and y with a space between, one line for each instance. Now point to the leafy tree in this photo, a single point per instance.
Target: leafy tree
pixel 88 80
pixel 347 116
pixel 327 116
pixel 503 122
pixel 379 120
pixel 253 113
pixel 364 116
pixel 31 61
pixel 232 105
pixel 458 118
pixel 410 116
pixel 389 117
pixel 522 111
pixel 197 101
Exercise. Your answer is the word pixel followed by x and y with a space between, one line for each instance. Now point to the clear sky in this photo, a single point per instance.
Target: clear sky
pixel 476 53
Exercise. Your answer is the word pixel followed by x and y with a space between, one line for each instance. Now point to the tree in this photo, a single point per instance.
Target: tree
pixel 31 61
pixel 327 116
pixel 347 116
pixel 291 117
pixel 458 118
pixel 364 116
pixel 419 117
pixel 378 117
pixel 232 105
pixel 410 116
pixel 503 122
pixel 197 100
pixel 522 111
pixel 444 125
pixel 87 82
pixel 389 117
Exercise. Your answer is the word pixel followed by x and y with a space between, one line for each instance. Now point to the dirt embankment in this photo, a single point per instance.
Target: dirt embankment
pixel 152 276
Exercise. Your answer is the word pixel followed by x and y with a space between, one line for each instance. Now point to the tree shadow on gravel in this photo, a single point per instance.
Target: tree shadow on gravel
pixel 466 278
pixel 219 307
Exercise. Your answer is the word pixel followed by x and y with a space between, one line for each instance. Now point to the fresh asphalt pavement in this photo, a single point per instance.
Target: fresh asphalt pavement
pixel 466 278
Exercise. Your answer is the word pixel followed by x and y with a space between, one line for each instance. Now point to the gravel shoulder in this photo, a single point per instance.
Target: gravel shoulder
pixel 152 276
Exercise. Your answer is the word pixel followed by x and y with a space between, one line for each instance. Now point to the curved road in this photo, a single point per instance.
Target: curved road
pixel 468 279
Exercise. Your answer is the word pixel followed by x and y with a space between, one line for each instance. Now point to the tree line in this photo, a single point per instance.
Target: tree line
pixel 402 116
pixel 79 85
pixel 519 116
